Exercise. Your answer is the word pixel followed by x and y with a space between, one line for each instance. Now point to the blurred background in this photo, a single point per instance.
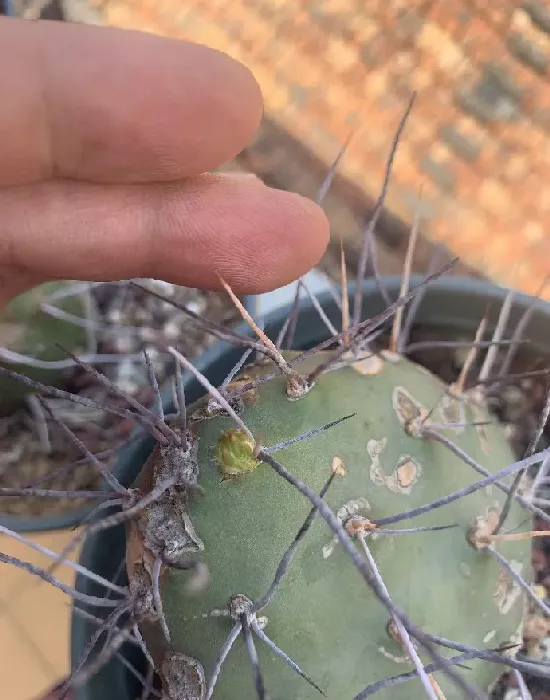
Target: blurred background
pixel 475 152
pixel 475 142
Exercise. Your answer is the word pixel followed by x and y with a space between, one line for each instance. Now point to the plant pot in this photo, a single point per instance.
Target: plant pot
pixel 456 304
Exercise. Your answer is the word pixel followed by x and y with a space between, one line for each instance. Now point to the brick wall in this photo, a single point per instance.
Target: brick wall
pixel 477 141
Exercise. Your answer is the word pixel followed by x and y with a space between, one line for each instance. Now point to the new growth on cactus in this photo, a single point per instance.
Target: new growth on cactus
pixel 331 522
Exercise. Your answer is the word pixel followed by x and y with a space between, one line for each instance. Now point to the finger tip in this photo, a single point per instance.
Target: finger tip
pixel 255 237
pixel 251 92
pixel 238 119
pixel 307 235
pixel 294 238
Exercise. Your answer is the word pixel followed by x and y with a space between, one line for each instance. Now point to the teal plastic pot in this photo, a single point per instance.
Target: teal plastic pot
pixel 454 304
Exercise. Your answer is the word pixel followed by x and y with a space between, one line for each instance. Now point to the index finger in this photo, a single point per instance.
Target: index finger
pixel 103 104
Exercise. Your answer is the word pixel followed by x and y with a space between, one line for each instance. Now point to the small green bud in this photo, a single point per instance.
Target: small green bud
pixel 234 452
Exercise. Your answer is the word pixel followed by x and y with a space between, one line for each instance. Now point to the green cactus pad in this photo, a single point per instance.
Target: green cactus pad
pixel 323 615
pixel 27 330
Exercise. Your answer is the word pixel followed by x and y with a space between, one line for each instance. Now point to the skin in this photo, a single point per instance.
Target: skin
pixel 107 139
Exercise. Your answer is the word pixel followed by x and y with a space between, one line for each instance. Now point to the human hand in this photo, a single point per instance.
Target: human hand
pixel 106 137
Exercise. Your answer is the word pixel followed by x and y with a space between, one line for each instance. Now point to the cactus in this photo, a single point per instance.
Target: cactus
pixel 26 331
pixel 385 460
pixel 335 522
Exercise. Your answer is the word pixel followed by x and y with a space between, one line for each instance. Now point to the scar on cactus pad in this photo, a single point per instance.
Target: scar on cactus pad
pixel 319 630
